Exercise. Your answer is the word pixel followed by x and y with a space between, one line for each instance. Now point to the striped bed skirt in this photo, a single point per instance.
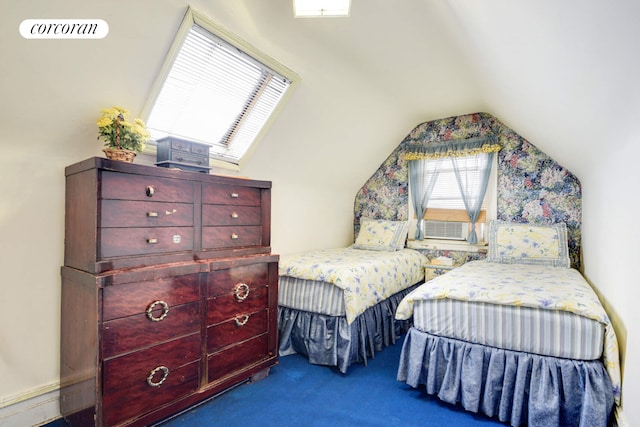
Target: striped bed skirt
pixel 327 339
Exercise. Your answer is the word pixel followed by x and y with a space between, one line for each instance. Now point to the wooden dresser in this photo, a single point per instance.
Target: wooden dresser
pixel 169 290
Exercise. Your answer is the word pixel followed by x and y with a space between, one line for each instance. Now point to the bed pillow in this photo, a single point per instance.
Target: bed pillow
pixel 381 235
pixel 512 243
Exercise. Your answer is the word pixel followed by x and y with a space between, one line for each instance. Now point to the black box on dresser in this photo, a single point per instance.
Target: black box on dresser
pixel 169 291
pixel 182 154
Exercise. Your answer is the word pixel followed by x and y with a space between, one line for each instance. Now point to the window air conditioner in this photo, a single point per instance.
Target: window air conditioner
pixel 446 230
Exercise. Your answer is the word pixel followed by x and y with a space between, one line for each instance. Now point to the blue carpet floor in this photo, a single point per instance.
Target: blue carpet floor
pixel 297 393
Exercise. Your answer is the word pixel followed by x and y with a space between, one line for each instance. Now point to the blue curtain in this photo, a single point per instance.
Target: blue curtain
pixel 473 186
pixel 424 165
pixel 423 175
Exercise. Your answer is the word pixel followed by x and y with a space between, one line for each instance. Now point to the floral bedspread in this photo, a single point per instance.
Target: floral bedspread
pixel 367 277
pixel 553 288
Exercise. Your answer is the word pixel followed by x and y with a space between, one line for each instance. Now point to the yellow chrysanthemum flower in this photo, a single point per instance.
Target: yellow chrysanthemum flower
pixel 117 131
pixel 104 121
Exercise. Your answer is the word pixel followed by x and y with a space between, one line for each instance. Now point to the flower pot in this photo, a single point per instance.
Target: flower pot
pixel 120 154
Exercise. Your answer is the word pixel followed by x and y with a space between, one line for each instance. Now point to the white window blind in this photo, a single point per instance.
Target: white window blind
pixel 446 193
pixel 217 94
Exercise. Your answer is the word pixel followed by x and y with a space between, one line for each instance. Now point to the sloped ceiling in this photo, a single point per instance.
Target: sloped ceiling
pixel 558 72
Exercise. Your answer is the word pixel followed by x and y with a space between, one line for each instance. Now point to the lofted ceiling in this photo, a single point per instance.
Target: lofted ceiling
pixel 562 74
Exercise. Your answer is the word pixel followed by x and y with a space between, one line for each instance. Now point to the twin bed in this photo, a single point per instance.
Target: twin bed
pixel 337 306
pixel 519 336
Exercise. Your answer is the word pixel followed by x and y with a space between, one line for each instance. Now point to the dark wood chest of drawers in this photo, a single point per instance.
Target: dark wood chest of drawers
pixel 169 291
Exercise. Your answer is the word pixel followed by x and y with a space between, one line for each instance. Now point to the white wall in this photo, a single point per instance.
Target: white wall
pixel 611 234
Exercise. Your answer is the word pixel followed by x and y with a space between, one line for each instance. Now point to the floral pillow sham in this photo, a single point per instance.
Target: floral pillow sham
pixel 512 243
pixel 381 235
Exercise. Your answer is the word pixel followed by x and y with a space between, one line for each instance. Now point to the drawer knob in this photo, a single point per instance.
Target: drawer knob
pixel 165 311
pixel 234 195
pixel 165 374
pixel 152 214
pixel 241 320
pixel 150 191
pixel 152 240
pixel 234 215
pixel 241 291
pixel 234 236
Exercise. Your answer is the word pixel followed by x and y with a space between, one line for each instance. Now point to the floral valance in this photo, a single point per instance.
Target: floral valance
pixel 453 148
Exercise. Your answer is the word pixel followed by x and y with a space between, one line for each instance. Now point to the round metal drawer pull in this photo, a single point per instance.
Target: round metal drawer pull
pixel 165 374
pixel 152 241
pixel 241 321
pixel 234 215
pixel 234 195
pixel 165 311
pixel 234 236
pixel 150 191
pixel 241 291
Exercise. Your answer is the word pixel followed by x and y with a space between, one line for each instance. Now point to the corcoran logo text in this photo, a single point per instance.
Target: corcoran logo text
pixel 64 28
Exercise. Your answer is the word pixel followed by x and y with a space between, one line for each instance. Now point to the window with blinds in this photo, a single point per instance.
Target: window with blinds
pixel 216 89
pixel 446 216
pixel 446 193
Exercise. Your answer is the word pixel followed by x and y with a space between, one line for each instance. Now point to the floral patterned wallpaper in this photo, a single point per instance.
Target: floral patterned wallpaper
pixel 532 187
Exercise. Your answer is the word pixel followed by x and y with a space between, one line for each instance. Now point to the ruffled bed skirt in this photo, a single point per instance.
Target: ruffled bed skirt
pixel 330 340
pixel 517 388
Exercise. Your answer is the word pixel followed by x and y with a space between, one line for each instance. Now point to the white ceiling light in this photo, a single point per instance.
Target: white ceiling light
pixel 321 8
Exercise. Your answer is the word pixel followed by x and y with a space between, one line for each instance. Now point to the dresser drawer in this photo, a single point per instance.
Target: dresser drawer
pixel 189 158
pixel 217 215
pixel 133 384
pixel 128 213
pixel 230 195
pixel 201 149
pixel 240 328
pixel 226 281
pixel 140 330
pixel 234 358
pixel 225 307
pixel 115 242
pixel 137 298
pixel 231 236
pixel 182 151
pixel 124 186
pixel 175 144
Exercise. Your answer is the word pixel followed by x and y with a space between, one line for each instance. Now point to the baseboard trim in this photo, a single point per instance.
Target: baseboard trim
pixel 31 409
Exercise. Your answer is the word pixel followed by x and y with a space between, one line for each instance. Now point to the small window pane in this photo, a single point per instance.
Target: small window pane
pixel 446 193
pixel 217 94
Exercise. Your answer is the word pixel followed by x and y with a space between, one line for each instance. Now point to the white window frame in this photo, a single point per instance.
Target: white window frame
pixel 192 18
pixel 490 205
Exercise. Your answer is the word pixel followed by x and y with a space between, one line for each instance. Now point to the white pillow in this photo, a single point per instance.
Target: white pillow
pixel 381 235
